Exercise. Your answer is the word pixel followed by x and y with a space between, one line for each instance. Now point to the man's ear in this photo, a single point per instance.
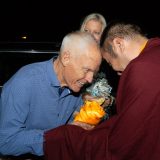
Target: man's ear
pixel 65 58
pixel 119 45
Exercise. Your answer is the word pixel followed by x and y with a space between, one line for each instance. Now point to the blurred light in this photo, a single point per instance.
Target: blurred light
pixel 24 37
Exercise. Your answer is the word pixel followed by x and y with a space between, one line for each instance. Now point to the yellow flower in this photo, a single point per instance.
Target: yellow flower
pixel 91 112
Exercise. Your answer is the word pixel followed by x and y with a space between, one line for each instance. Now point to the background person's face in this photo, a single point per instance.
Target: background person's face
pixel 95 28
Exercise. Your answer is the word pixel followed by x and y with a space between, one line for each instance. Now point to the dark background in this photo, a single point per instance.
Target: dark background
pixel 49 21
pixel 44 20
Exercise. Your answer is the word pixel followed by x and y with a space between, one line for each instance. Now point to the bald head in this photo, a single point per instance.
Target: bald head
pixel 79 41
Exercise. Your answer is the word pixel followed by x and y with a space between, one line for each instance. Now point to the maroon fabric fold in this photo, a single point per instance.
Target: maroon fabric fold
pixel 72 142
pixel 61 140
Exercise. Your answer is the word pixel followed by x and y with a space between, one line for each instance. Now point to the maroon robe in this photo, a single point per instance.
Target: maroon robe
pixel 133 133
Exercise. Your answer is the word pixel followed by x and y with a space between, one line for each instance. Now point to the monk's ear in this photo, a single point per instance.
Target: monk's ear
pixel 65 58
pixel 119 45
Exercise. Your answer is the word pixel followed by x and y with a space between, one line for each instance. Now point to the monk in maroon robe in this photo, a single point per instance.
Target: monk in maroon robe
pixel 134 132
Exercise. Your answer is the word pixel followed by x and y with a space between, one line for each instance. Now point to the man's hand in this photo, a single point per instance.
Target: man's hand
pixel 85 126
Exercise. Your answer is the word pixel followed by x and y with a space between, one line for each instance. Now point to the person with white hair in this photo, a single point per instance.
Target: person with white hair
pixel 44 95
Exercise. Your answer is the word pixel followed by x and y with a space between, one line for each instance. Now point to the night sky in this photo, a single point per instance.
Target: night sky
pixel 51 20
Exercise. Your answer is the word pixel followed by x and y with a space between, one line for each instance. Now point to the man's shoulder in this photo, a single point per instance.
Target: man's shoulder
pixel 33 69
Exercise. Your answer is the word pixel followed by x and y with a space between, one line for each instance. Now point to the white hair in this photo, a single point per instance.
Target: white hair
pixel 77 40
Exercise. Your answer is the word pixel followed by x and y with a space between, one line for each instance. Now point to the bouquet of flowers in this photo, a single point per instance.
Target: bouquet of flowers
pixel 97 102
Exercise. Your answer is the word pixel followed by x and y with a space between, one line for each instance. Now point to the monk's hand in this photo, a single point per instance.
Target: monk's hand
pixel 85 126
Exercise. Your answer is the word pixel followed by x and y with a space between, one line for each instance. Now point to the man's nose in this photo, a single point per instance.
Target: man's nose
pixel 89 77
